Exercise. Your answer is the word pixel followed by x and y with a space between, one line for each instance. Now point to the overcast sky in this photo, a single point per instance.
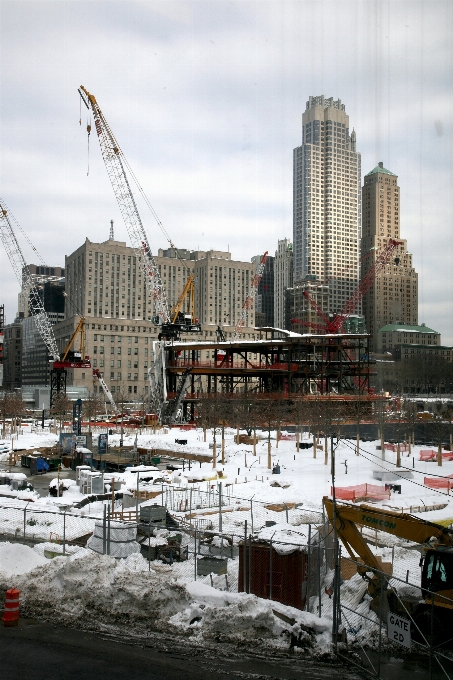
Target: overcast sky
pixel 206 100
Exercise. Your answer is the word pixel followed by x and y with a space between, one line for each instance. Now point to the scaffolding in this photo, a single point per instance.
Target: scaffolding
pixel 327 366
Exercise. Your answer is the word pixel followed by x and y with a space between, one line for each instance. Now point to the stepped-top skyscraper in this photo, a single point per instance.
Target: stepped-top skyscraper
pixel 326 200
pixel 393 298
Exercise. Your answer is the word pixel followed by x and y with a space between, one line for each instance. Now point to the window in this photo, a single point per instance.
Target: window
pixel 135 350
pixel 101 363
pixel 118 363
pixel 129 350
pixel 112 363
pixel 118 376
pixel 101 349
pixel 112 375
pixel 95 349
pixel 118 351
pixel 112 350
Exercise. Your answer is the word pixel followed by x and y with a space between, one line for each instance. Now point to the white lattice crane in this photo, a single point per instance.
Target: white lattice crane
pixel 116 164
pixel 22 272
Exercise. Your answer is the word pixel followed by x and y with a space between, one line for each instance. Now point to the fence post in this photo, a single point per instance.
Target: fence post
pixel 250 563
pixel 104 532
pixel 64 533
pixel 25 520
pixel 190 507
pixel 270 569
pixel 108 530
pixel 220 507
pixel 195 552
pixel 307 603
pixel 244 559
pixel 251 512
pixel 319 575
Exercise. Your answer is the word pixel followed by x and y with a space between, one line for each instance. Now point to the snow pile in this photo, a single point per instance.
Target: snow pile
pixel 241 618
pixel 92 591
pixel 16 559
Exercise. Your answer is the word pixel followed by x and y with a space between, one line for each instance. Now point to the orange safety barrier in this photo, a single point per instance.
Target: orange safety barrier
pixel 11 614
pixel 428 455
pixel 352 493
pixel 404 448
pixel 439 483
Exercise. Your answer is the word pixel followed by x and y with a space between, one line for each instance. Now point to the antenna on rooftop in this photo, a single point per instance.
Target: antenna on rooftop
pixel 111 237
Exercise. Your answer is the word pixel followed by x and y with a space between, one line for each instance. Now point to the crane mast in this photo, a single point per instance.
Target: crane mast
pixel 115 162
pixel 22 272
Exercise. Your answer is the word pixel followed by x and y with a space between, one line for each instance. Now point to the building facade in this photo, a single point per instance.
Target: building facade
pixel 300 315
pixel 104 282
pixel 12 354
pixel 326 200
pixel 392 336
pixel 393 298
pixel 264 301
pixel 283 279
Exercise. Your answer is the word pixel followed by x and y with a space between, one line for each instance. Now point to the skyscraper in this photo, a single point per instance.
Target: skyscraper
pixel 393 298
pixel 283 279
pixel 326 200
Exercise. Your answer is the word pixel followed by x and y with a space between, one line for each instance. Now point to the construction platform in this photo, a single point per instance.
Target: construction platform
pixel 284 366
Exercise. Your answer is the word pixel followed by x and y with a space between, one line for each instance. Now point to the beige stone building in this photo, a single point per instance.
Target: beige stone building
pixel 393 298
pixel 104 283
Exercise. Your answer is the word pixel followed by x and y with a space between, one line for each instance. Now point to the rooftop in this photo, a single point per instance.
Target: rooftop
pixel 380 168
pixel 405 328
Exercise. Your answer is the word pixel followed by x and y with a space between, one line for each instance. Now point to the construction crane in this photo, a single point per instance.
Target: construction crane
pixel 116 164
pixel 250 297
pixel 334 323
pixel 180 322
pixel 98 376
pixel 22 272
pixel 437 573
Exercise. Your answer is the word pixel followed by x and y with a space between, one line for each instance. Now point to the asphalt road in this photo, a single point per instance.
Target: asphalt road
pixel 40 651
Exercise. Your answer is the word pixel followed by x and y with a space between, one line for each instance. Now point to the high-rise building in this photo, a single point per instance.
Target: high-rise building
pixel 326 200
pixel 393 298
pixel 264 300
pixel 283 279
pixel 12 359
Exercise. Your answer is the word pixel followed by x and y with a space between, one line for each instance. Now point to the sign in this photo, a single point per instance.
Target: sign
pixel 102 445
pixel 399 630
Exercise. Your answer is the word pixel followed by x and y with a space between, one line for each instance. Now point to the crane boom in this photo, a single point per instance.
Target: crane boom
pixel 97 374
pixel 115 162
pixel 22 271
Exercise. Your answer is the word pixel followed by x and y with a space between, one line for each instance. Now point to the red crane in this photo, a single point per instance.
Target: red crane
pixel 336 323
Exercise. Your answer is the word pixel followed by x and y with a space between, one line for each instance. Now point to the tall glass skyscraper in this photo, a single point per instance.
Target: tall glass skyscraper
pixel 326 201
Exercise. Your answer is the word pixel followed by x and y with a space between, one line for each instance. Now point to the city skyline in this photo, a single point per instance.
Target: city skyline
pixel 206 101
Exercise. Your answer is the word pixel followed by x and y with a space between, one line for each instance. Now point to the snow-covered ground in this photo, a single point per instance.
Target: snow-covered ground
pixel 102 589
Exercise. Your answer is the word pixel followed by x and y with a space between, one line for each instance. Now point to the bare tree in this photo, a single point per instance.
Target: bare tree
pixel 60 407
pixel 11 406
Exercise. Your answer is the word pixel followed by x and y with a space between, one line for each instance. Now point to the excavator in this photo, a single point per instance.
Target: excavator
pixel 436 562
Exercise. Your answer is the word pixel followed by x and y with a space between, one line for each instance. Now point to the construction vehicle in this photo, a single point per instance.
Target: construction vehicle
pixel 437 561
pixel 334 323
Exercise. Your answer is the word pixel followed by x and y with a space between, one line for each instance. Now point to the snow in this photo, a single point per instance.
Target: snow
pixel 17 559
pixel 103 590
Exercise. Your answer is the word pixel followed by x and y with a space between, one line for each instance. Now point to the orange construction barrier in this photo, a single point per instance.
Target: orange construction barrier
pixel 11 614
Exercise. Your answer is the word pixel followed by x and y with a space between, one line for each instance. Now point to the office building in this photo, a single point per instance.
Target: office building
pixel 393 298
pixel 104 282
pixel 12 354
pixel 264 301
pixel 283 279
pixel 391 336
pixel 300 315
pixel 326 200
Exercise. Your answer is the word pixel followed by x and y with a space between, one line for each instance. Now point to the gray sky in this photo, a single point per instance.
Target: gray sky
pixel 206 100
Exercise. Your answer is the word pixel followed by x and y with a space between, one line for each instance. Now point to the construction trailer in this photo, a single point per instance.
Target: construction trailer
pixel 335 366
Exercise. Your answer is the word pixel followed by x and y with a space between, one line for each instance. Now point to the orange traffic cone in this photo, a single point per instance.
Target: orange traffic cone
pixel 11 614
